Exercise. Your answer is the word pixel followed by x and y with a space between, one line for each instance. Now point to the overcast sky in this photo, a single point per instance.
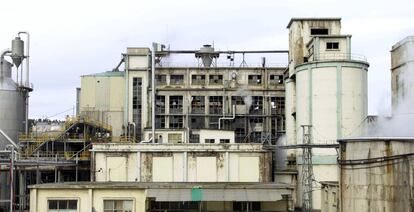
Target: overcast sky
pixel 74 38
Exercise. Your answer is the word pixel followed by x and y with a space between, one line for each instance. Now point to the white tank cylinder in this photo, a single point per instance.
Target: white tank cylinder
pixel 332 97
pixel 12 106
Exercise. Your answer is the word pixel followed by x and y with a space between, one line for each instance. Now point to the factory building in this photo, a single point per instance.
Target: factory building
pixel 247 100
pixel 326 98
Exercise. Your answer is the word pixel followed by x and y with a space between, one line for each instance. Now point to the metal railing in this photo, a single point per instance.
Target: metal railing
pixel 72 120
pixel 338 56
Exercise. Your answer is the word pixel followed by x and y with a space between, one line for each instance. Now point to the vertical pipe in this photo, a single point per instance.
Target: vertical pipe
pixel 27 84
pixel 154 47
pixel 11 178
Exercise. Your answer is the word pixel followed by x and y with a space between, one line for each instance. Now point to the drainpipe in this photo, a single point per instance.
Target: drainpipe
pixel 228 118
pixel 154 47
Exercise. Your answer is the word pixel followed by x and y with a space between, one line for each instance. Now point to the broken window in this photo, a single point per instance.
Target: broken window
pixel 198 105
pixel 194 138
pixel 198 79
pixel 332 45
pixel 224 141
pixel 209 141
pixel 197 122
pixel 257 105
pixel 276 79
pixel 176 104
pixel 213 122
pixel 160 104
pixel 215 104
pixel 237 100
pixel 216 79
pixel 160 122
pixel 255 79
pixel 319 31
pixel 161 79
pixel 280 127
pixel 176 79
pixel 176 122
pixel 277 105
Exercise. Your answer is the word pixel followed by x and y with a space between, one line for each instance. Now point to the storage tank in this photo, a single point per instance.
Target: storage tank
pixel 12 106
pixel 376 174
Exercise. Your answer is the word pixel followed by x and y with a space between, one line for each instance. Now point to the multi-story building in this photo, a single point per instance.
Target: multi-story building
pixel 248 100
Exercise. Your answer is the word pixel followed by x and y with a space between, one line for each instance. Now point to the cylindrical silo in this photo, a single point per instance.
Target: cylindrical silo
pixel 331 97
pixel 12 106
pixel 376 174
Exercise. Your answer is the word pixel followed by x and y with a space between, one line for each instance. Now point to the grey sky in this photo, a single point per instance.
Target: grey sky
pixel 73 38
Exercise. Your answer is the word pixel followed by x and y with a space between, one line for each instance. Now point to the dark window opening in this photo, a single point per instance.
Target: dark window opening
pixel 176 122
pixel 209 141
pixel 237 100
pixel 176 79
pixel 216 79
pixel 332 45
pixel 255 79
pixel 276 79
pixel 198 79
pixel 198 105
pixel 257 105
pixel 160 104
pixel 319 31
pixel 176 104
pixel 224 141
pixel 215 104
pixel 161 79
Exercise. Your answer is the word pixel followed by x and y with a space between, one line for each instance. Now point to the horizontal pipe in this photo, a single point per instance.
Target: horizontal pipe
pixel 226 52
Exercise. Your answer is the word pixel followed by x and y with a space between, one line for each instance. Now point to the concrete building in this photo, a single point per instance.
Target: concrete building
pixel 376 174
pixel 402 71
pixel 246 100
pixel 326 89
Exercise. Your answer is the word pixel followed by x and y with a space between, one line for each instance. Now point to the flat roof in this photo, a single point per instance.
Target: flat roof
pixel 402 42
pixel 162 185
pixel 378 138
pixel 313 19
pixel 106 74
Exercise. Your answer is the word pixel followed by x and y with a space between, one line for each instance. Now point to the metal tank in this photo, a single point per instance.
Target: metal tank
pixel 12 106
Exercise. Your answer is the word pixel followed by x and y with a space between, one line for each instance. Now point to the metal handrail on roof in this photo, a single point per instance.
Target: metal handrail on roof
pixel 339 56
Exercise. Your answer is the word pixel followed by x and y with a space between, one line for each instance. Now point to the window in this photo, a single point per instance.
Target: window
pixel 198 79
pixel 277 105
pixel 216 79
pixel 118 205
pixel 209 141
pixel 176 79
pixel 197 122
pixel 160 104
pixel 255 79
pixel 198 105
pixel 176 104
pixel 160 122
pixel 161 79
pixel 175 138
pixel 176 122
pixel 276 79
pixel 319 31
pixel 237 100
pixel 257 105
pixel 63 205
pixel 332 45
pixel 216 104
pixel 224 141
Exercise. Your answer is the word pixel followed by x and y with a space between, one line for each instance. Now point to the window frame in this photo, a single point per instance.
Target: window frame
pixel 63 199
pixel 118 199
pixel 332 46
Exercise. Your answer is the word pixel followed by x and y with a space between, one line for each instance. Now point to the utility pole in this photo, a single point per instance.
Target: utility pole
pixel 307 169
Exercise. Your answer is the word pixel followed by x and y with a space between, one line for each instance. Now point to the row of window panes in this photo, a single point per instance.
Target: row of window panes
pixel 213 79
pixel 72 205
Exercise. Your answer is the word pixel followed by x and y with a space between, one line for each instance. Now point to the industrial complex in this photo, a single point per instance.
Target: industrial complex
pixel 154 136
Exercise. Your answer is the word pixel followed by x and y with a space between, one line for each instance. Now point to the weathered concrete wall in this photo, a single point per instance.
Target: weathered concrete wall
pixel 186 163
pixel 381 184
pixel 86 198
